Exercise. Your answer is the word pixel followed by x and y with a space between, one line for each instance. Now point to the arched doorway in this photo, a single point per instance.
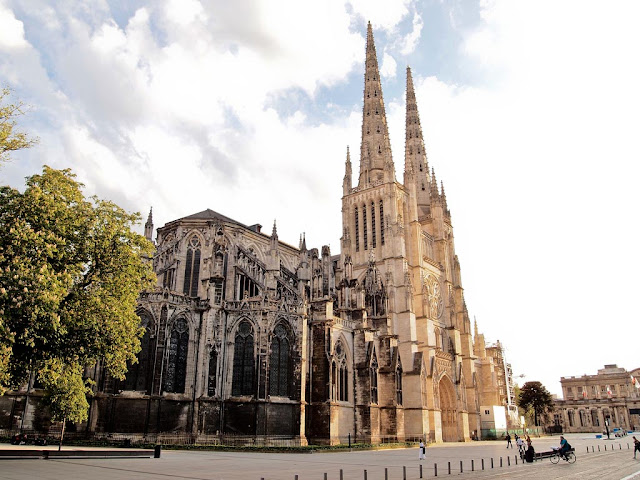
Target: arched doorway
pixel 448 410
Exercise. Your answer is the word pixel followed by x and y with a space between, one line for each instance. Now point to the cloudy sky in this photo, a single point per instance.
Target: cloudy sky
pixel 530 111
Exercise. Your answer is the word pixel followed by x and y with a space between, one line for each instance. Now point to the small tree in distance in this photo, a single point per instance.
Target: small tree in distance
pixel 534 395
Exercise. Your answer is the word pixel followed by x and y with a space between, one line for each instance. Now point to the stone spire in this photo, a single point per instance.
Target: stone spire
pixel 434 186
pixel 148 227
pixel 346 183
pixel 376 162
pixel 274 237
pixel 415 156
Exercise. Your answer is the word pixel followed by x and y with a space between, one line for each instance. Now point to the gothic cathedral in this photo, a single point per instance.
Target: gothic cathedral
pixel 247 335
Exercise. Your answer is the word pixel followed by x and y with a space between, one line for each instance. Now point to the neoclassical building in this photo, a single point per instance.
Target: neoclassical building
pixel 248 335
pixel 612 395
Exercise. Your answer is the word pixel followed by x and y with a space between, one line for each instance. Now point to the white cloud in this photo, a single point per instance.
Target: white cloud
pixel 411 40
pixel 11 30
pixel 388 67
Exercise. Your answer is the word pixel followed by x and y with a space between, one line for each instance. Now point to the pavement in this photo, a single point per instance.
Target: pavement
pixel 614 463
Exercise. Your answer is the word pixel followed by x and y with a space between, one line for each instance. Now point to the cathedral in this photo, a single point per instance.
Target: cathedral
pixel 247 335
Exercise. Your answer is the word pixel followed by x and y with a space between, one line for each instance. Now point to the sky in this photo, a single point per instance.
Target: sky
pixel 530 111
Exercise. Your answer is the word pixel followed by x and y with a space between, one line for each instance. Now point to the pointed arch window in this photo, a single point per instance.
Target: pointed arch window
pixel 192 268
pixel 213 365
pixel 364 226
pixel 138 373
pixel 373 224
pixel 381 223
pixel 340 374
pixel 357 230
pixel 373 378
pixel 243 361
pixel 279 367
pixel 177 359
pixel 399 384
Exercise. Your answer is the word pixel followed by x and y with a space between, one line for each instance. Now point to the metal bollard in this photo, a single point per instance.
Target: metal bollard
pixel 365 475
pixel 591 448
pixel 341 474
pixel 482 462
pixel 500 463
pixel 508 461
pixel 460 466
pixel 420 470
pixel 491 462
pixel 386 473
pixel 472 465
pixel 435 469
pixel 605 448
pixel 325 476
pixel 295 477
pixel 404 473
pixel 449 467
pixel 157 451
pixel 620 445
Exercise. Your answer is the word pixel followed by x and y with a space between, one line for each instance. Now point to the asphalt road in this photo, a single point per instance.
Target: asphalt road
pixel 616 463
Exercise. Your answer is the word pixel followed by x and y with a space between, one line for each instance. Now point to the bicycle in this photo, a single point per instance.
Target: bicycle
pixel 567 457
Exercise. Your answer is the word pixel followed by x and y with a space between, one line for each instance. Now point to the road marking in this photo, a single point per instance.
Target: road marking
pixel 633 475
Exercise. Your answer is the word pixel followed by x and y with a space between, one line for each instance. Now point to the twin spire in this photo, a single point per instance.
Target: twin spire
pixel 376 161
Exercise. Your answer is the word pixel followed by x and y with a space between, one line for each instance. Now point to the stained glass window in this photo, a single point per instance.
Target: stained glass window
pixel 192 268
pixel 399 385
pixel 137 374
pixel 279 363
pixel 213 364
pixel 243 361
pixel 177 362
pixel 373 377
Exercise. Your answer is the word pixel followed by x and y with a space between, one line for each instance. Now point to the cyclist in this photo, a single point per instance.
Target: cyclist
pixel 564 447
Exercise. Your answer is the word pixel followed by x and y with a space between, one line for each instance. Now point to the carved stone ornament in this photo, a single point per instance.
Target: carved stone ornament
pixel 434 296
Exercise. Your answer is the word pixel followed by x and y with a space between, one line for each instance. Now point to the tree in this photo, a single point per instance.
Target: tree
pixel 71 270
pixel 535 396
pixel 11 140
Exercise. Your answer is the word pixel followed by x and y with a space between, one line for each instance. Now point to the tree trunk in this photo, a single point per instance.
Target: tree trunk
pixel 64 422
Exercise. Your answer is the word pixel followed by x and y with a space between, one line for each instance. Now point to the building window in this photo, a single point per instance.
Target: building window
pixel 167 279
pixel 177 362
pixel 399 385
pixel 487 412
pixel 192 268
pixel 279 370
pixel 357 230
pixel 381 223
pixel 373 225
pixel 138 373
pixel 243 361
pixel 364 227
pixel 213 365
pixel 217 292
pixel 373 378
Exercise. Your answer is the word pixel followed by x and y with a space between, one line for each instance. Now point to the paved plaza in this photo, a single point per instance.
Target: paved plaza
pixel 615 463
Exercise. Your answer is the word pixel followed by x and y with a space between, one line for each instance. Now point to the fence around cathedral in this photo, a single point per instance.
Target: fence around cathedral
pixel 133 439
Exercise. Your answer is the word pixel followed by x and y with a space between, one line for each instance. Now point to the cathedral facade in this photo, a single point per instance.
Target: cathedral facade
pixel 248 335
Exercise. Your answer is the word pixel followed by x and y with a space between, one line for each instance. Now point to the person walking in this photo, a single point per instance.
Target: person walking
pixel 636 446
pixel 422 455
pixel 509 440
pixel 520 444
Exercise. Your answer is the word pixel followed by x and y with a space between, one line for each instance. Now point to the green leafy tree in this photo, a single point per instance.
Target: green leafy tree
pixel 534 396
pixel 71 269
pixel 10 139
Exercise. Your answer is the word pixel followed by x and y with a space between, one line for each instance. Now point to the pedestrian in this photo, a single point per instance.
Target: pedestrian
pixel 422 455
pixel 636 446
pixel 520 444
pixel 509 440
